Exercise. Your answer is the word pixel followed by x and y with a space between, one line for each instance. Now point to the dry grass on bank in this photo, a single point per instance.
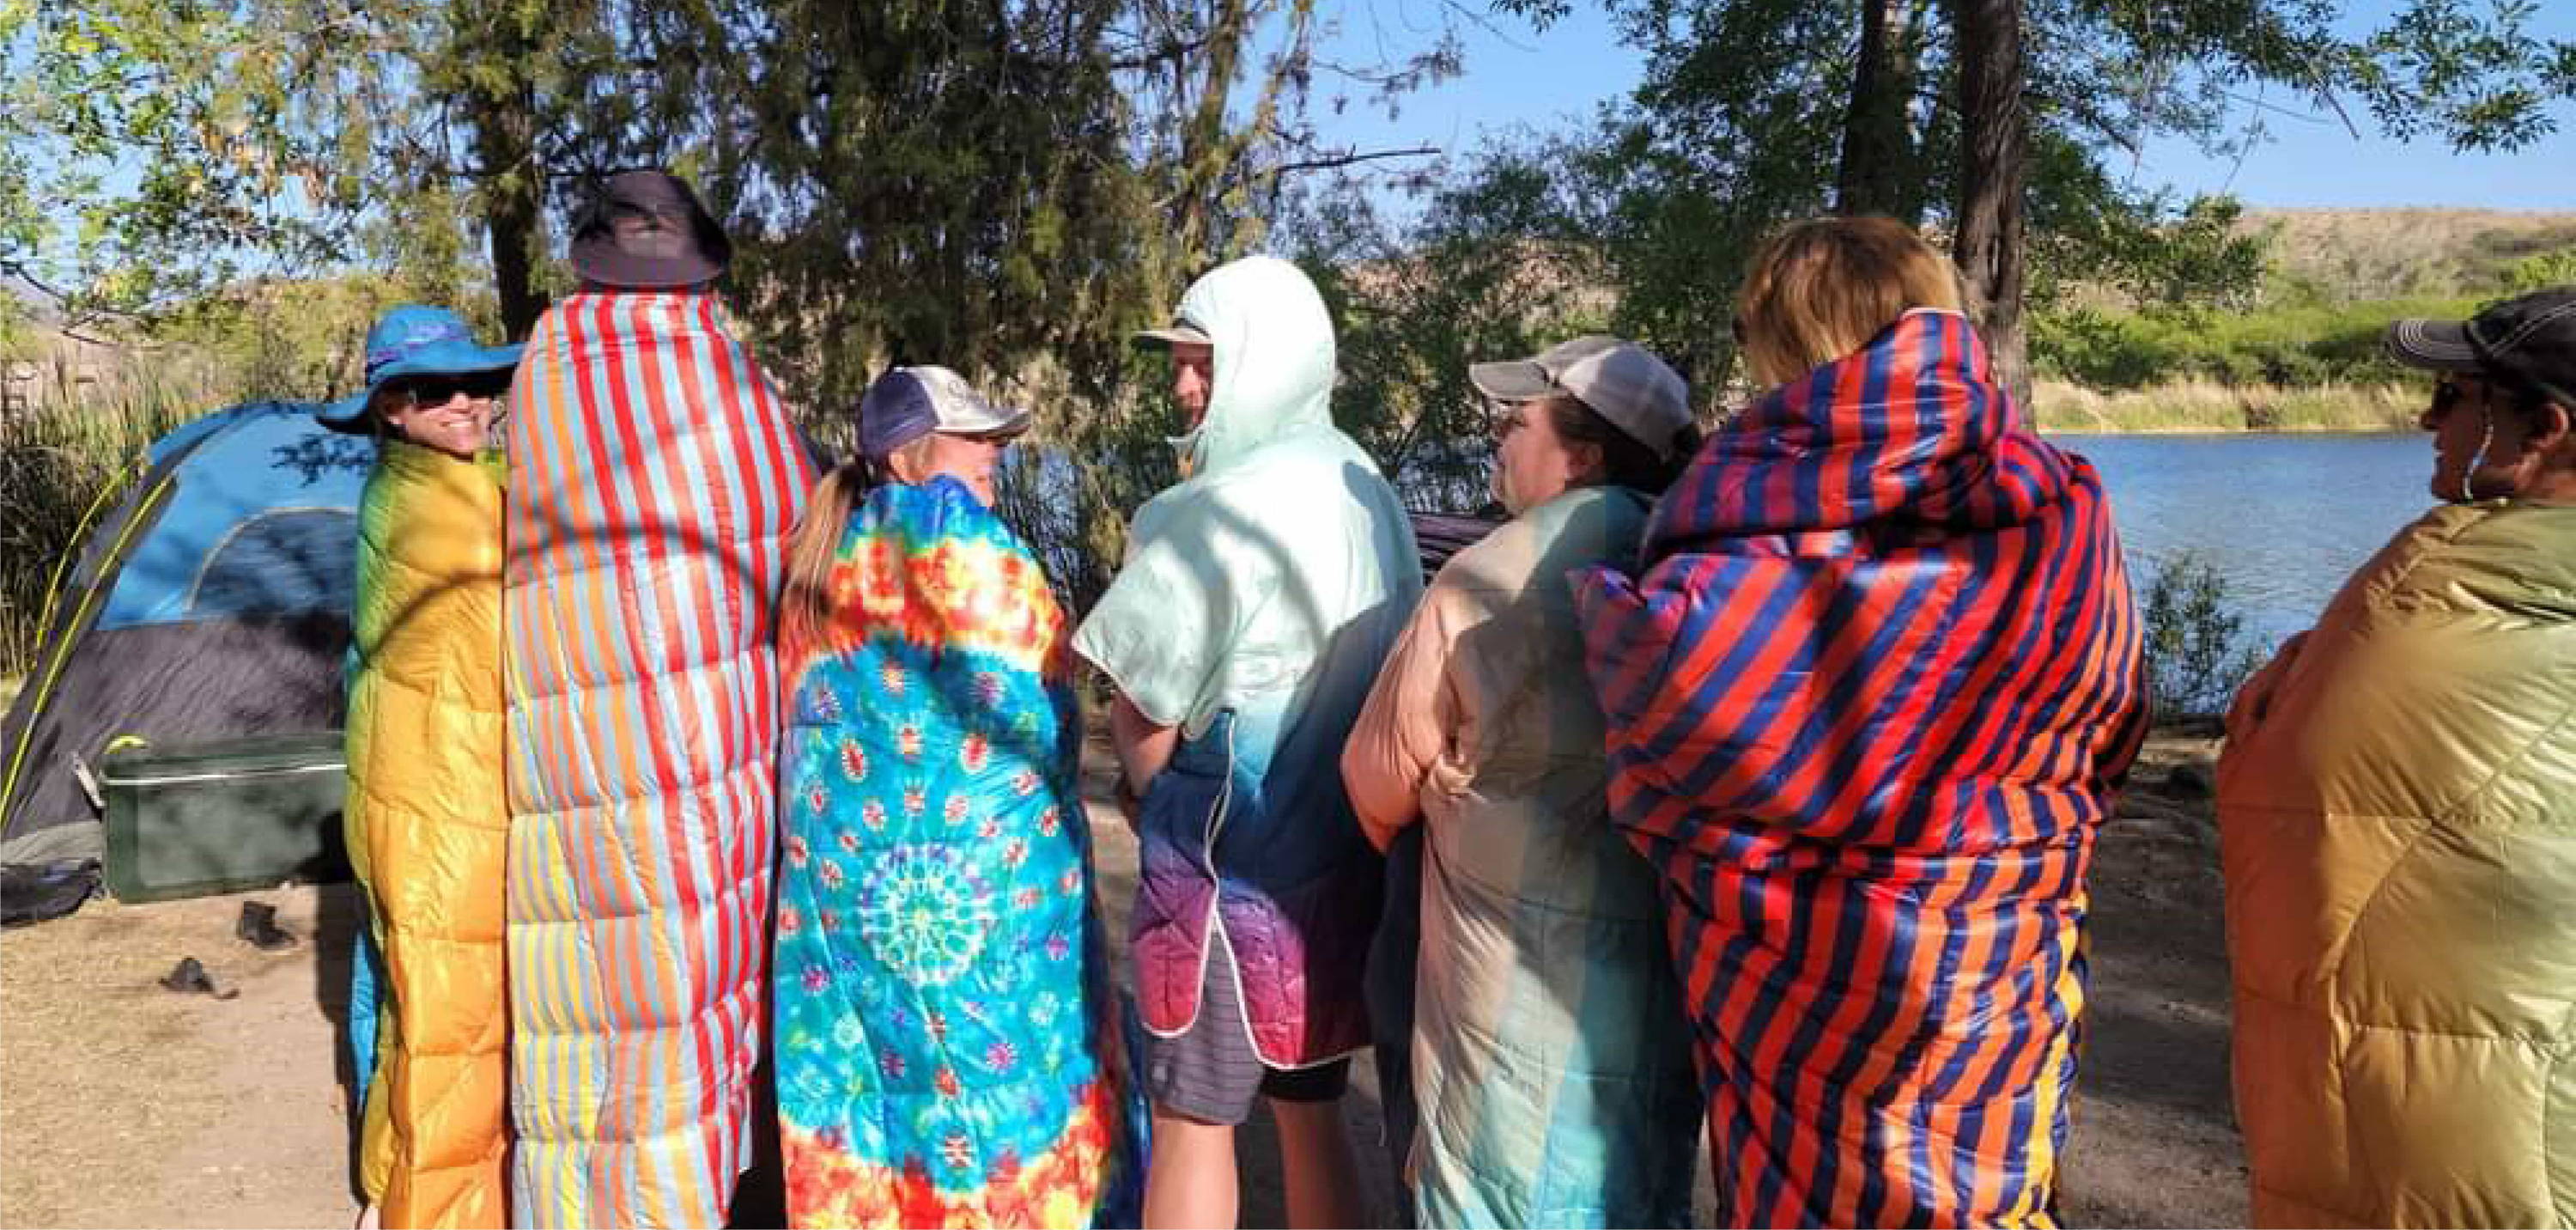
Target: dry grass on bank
pixel 2205 405
pixel 2396 253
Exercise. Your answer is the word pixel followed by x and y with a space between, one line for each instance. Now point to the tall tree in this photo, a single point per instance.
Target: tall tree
pixel 1873 174
pixel 184 144
pixel 1988 221
pixel 1997 122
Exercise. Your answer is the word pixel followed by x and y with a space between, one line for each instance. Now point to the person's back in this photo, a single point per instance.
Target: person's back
pixel 948 1031
pixel 1323 578
pixel 1255 603
pixel 655 479
pixel 1551 1051
pixel 1868 699
pixel 2399 837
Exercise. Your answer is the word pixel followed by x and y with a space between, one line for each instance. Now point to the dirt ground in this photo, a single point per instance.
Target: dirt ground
pixel 122 1104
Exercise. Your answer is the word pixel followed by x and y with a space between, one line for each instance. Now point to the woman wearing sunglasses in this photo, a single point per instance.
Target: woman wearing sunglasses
pixel 427 823
pixel 2398 831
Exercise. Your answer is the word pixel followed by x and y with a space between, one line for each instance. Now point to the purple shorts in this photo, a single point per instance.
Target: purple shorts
pixel 1209 1071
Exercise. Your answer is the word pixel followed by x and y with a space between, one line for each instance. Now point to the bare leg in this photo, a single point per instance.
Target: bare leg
pixel 1315 1159
pixel 1191 1180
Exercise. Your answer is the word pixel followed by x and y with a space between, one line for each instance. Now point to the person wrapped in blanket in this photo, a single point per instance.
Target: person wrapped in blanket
pixel 949 1043
pixel 1551 1055
pixel 2397 828
pixel 1256 602
pixel 655 480
pixel 427 823
pixel 1869 693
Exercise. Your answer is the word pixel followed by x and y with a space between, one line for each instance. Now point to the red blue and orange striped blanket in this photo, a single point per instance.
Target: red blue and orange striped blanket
pixel 655 478
pixel 1868 698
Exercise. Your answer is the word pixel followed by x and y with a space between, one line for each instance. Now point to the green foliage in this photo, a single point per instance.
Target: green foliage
pixel 290 340
pixel 2207 406
pixel 2305 344
pixel 1735 128
pixel 2545 270
pixel 1482 276
pixel 2094 238
pixel 162 151
pixel 930 182
pixel 1739 125
pixel 2198 652
pixel 60 470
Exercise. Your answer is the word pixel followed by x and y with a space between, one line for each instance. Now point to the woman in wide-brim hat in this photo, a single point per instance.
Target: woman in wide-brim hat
pixel 427 822
pixel 413 351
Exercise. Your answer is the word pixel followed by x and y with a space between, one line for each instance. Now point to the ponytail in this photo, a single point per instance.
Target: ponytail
pixel 805 602
pixel 805 605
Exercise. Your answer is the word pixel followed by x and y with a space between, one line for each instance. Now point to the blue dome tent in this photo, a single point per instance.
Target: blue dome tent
pixel 212 605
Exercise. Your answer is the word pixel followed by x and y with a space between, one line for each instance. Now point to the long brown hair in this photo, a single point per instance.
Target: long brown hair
pixel 805 602
pixel 1822 288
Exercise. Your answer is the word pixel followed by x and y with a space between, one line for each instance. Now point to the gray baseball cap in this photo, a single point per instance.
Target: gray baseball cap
pixel 1621 381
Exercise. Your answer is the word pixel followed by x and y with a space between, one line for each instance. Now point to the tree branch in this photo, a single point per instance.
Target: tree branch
pixel 1352 158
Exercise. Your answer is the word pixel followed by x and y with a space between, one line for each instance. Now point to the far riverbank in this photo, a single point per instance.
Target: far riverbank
pixel 2207 406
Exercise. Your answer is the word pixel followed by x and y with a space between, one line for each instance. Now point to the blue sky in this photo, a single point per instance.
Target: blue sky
pixel 1516 77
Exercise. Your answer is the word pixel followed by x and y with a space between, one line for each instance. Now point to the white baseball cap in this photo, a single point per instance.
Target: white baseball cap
pixel 1178 333
pixel 1621 381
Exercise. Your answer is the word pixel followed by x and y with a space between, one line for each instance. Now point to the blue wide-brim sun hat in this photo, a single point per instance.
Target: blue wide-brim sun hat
pixel 416 340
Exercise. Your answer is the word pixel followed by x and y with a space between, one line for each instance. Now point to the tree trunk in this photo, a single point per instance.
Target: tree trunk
pixel 1878 151
pixel 1993 169
pixel 503 119
pixel 513 219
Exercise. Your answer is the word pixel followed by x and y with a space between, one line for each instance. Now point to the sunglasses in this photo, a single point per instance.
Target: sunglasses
pixel 439 390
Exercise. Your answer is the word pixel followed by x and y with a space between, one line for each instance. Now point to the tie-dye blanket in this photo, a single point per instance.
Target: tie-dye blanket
pixel 655 478
pixel 948 1040
pixel 1867 703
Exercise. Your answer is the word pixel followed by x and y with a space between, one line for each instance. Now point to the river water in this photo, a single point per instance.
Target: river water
pixel 2284 518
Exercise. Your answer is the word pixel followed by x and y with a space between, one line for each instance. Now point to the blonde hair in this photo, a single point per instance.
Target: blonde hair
pixel 1822 288
pixel 805 601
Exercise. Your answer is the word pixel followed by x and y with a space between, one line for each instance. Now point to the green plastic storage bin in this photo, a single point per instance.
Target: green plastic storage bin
pixel 207 818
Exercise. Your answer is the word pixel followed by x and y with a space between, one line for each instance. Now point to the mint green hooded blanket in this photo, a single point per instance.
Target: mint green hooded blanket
pixel 1257 601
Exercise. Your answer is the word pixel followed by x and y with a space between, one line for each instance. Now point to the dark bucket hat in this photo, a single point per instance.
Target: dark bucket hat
pixel 413 340
pixel 645 230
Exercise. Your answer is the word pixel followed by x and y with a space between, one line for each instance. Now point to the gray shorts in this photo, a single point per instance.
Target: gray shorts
pixel 1210 1072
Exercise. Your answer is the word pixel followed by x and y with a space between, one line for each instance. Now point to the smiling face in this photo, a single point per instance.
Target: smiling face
pixel 452 414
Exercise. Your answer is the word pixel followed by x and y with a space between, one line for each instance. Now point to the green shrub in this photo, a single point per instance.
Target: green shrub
pixel 61 469
pixel 2198 652
pixel 2540 272
pixel 2290 344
